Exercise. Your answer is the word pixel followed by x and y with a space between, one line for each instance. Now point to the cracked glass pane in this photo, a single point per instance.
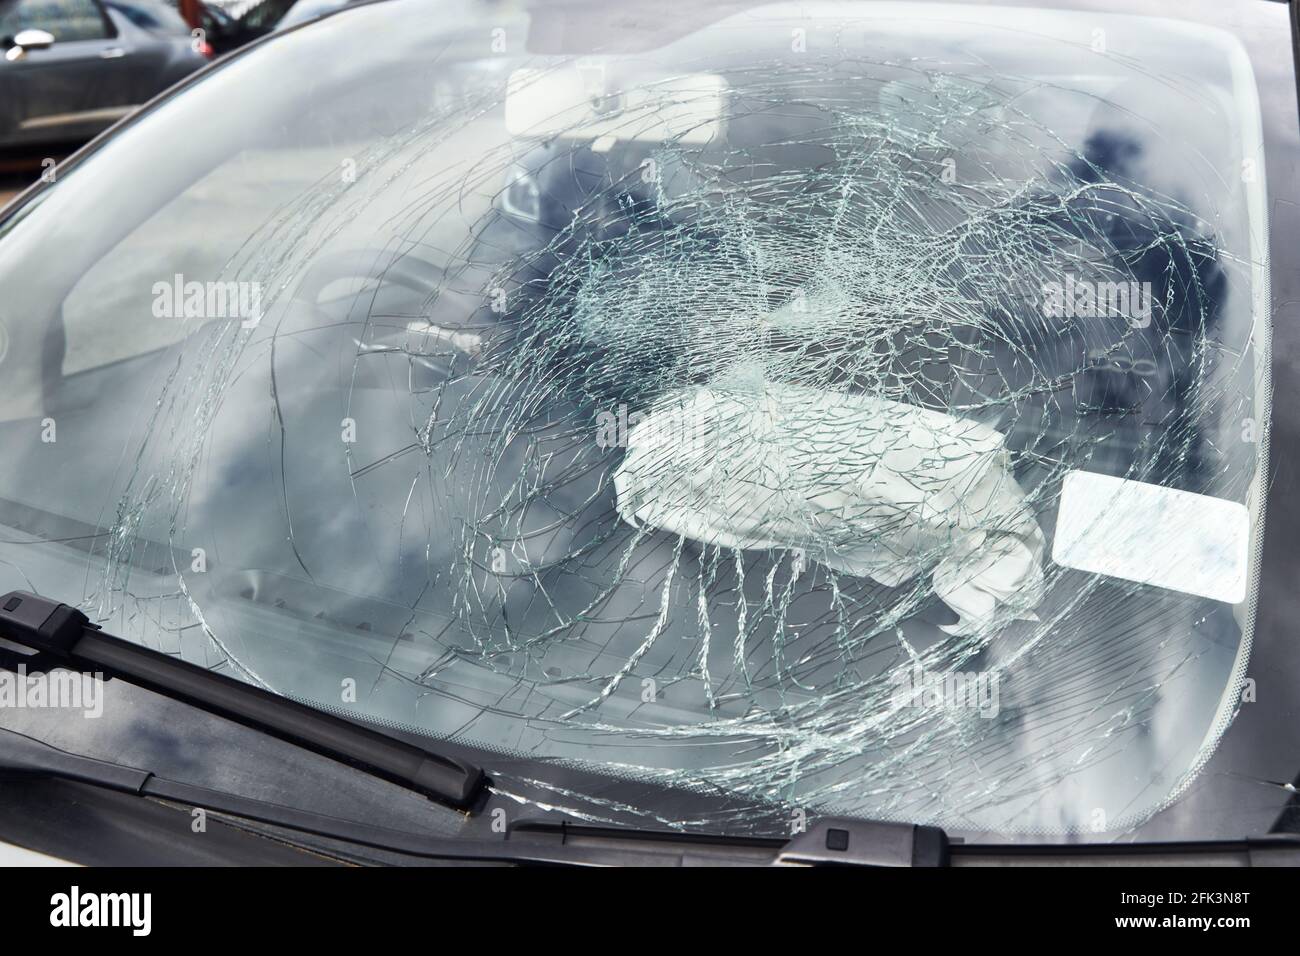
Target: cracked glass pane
pixel 850 407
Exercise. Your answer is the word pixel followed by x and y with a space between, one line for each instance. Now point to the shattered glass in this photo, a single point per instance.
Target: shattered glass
pixel 700 414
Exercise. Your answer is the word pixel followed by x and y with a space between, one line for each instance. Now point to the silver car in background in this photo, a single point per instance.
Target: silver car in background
pixel 72 68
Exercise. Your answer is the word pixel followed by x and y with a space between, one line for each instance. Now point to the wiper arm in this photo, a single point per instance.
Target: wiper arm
pixel 872 843
pixel 831 841
pixel 66 633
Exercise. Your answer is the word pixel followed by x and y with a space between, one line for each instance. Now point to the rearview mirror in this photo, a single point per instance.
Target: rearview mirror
pixel 28 40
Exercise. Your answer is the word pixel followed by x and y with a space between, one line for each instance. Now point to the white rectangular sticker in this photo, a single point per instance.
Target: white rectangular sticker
pixel 1153 535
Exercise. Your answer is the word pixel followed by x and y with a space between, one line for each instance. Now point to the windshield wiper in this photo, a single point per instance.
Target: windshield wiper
pixel 22 755
pixel 26 756
pixel 67 634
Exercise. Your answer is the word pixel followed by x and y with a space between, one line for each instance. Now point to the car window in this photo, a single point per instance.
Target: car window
pixel 151 16
pixel 861 407
pixel 65 20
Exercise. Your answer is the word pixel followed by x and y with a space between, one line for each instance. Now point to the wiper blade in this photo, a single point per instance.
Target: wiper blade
pixel 66 633
pixel 26 756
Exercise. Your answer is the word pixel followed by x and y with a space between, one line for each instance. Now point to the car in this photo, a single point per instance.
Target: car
pixel 72 68
pixel 760 433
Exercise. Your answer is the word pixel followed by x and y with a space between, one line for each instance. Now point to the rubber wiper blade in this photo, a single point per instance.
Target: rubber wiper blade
pixel 67 634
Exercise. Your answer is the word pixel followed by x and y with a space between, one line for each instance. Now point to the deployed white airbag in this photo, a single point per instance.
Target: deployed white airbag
pixel 865 486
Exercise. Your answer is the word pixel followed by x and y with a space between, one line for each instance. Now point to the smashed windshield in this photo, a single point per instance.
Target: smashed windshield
pixel 850 407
